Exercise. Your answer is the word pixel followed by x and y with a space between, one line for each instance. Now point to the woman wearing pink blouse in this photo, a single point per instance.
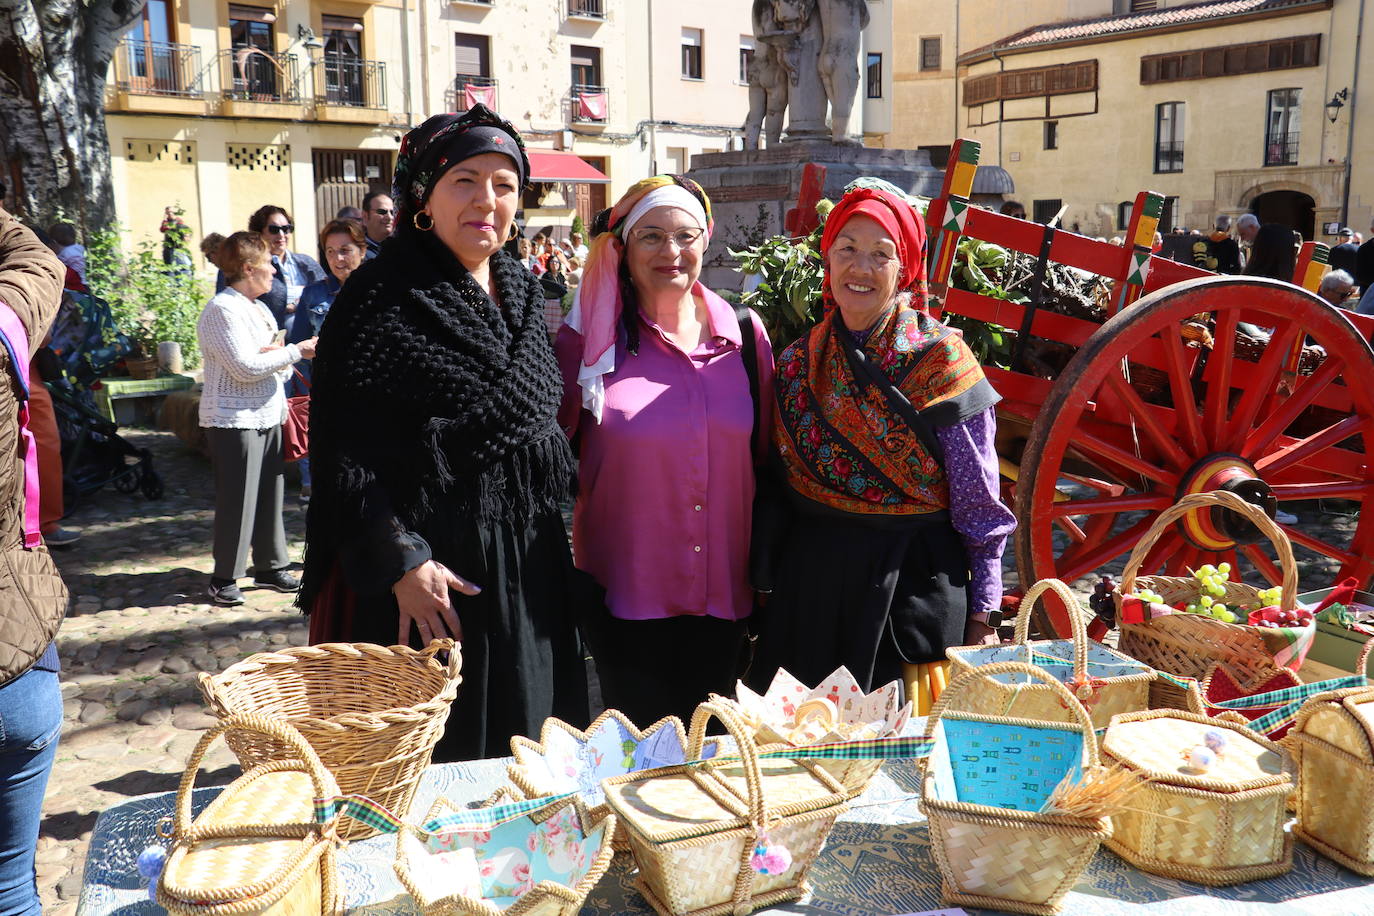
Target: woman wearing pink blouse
pixel 657 401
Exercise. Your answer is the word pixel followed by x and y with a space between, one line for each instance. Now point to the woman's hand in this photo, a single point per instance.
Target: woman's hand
pixel 423 598
pixel 977 633
pixel 307 348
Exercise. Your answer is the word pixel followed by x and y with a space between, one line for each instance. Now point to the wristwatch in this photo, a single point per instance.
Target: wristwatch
pixel 990 618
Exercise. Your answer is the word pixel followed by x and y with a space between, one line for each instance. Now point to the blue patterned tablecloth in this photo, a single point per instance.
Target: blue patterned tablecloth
pixel 877 863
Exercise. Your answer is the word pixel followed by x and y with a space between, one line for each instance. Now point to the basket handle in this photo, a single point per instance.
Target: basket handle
pixel 1363 661
pixel 1235 504
pixel 1080 632
pixel 965 680
pixel 320 779
pixel 720 708
pixel 455 654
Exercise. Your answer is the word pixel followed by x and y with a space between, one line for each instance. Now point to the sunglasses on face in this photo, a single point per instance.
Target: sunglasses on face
pixel 281 230
pixel 380 212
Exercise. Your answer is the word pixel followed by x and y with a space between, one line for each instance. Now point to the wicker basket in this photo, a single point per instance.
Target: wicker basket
pixel 1333 744
pixel 693 829
pixel 141 367
pixel 583 855
pixel 561 761
pixel 994 846
pixel 372 713
pixel 1216 828
pixel 256 849
pixel 1188 644
pixel 1105 681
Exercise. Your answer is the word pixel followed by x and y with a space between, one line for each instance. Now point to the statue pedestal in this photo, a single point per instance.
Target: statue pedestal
pixel 752 190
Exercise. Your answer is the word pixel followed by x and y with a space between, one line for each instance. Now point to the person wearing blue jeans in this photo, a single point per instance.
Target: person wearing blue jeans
pixel 30 722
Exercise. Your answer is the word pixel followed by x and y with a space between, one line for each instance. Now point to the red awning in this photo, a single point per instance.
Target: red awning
pixel 559 165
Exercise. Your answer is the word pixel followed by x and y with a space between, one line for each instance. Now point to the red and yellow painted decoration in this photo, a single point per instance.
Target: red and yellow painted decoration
pixel 1313 261
pixel 1198 526
pixel 948 212
pixel 1149 207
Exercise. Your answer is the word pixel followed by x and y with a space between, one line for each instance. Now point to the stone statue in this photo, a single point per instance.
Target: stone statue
pixel 816 43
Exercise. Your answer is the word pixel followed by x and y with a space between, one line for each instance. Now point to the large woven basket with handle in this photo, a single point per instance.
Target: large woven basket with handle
pixel 693 829
pixel 1105 681
pixel 984 789
pixel 257 848
pixel 1189 644
pixel 372 713
pixel 1333 744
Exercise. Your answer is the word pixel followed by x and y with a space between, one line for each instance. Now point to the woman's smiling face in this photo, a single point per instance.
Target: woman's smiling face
pixel 863 270
pixel 473 206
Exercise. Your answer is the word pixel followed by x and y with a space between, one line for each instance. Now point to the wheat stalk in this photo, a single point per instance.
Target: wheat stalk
pixel 1100 792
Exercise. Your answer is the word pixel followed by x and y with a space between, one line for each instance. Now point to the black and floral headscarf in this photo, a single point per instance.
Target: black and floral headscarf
pixel 443 141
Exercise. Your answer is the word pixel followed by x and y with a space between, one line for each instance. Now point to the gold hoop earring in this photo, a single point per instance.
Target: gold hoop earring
pixel 514 233
pixel 415 221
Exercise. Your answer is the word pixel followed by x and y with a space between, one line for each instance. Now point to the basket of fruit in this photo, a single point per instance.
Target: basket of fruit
pixel 1185 624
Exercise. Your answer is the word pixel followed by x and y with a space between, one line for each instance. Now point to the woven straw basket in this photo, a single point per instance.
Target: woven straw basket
pixel 372 713
pixel 1221 827
pixel 993 850
pixel 693 829
pixel 533 780
pixel 256 849
pixel 1105 681
pixel 1188 644
pixel 545 898
pixel 1333 743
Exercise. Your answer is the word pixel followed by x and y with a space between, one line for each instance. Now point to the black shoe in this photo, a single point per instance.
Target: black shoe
pixel 227 595
pixel 279 580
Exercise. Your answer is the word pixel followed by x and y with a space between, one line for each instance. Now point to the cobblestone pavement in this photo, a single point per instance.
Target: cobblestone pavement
pixel 139 632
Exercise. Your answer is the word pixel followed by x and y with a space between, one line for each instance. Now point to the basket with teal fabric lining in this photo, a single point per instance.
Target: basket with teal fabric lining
pixel 985 790
pixel 1104 680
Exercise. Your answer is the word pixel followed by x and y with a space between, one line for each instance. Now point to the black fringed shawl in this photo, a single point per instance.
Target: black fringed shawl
pixel 431 405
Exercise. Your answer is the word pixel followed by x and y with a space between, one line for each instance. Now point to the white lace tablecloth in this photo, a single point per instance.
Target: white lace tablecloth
pixel 877 863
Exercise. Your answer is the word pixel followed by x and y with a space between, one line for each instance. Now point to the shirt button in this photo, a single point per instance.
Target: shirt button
pixel 697 508
pixel 697 548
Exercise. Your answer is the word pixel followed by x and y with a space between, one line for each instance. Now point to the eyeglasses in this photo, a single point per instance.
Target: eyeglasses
pixel 656 238
pixel 381 212
pixel 281 230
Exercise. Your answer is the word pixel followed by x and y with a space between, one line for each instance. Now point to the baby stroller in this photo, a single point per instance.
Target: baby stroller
pixel 84 346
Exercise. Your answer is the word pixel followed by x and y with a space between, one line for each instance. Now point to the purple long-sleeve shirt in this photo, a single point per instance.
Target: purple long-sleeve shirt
pixel 666 479
pixel 975 505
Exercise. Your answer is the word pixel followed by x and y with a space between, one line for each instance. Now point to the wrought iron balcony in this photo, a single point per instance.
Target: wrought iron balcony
pixel 1169 156
pixel 1281 149
pixel 467 89
pixel 349 81
pixel 254 75
pixel 590 103
pixel 158 68
pixel 587 9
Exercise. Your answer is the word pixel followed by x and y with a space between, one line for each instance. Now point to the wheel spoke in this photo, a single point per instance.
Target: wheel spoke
pixel 1070 527
pixel 1086 442
pixel 1343 489
pixel 1298 452
pixel 1078 563
pixel 1181 389
pixel 1300 400
pixel 1167 546
pixel 1262 563
pixel 1298 536
pixel 1261 384
pixel 1142 502
pixel 1144 414
pixel 1219 369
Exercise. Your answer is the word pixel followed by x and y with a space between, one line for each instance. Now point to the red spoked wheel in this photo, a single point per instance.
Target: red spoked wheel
pixel 1165 400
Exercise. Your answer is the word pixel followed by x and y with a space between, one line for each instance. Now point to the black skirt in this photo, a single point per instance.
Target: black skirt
pixel 869 594
pixel 522 660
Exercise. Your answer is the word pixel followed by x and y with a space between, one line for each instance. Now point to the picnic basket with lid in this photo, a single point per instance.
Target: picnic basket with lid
pixel 1188 644
pixel 1218 827
pixel 1104 680
pixel 257 848
pixel 984 789
pixel 372 713
pixel 693 829
pixel 1333 744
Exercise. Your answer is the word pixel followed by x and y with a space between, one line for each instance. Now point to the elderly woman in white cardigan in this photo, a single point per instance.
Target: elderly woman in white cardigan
pixel 242 408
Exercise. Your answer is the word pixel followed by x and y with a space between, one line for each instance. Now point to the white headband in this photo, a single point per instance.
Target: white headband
pixel 669 195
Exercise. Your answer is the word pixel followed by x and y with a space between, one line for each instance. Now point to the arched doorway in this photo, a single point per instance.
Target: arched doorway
pixel 1293 209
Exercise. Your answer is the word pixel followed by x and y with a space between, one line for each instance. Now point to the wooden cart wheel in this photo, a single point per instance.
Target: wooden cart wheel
pixel 1159 403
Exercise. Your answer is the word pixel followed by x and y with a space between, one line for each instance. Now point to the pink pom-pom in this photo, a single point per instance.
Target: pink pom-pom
pixel 770 860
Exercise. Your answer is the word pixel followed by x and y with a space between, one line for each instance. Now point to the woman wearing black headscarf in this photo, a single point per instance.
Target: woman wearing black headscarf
pixel 438 461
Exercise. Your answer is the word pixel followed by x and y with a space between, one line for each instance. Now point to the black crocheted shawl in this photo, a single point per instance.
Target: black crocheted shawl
pixel 431 404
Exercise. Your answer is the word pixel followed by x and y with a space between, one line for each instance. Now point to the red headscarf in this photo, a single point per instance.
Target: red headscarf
pixel 900 220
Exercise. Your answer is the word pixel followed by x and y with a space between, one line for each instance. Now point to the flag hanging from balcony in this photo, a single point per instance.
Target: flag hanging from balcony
pixel 591 105
pixel 472 95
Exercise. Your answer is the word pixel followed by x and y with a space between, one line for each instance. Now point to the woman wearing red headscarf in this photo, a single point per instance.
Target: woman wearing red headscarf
pixel 885 428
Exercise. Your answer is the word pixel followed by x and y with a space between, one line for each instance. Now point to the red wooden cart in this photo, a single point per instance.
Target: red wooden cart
pixel 1165 399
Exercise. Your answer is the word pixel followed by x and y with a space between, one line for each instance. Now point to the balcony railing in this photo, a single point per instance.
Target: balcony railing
pixel 158 68
pixel 590 103
pixel 253 75
pixel 1169 156
pixel 467 90
pixel 1281 149
pixel 350 81
pixel 587 9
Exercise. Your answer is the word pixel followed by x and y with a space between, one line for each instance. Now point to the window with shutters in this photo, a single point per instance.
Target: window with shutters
pixel 1062 79
pixel 586 66
pixel 873 76
pixel 472 55
pixel 1169 137
pixel 691 54
pixel 1051 135
pixel 1232 60
pixel 1281 131
pixel 930 53
pixel 1042 211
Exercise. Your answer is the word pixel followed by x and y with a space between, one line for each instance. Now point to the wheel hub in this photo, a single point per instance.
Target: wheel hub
pixel 1216 528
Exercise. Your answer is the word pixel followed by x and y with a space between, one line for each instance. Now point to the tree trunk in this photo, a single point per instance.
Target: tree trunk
pixel 54 59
